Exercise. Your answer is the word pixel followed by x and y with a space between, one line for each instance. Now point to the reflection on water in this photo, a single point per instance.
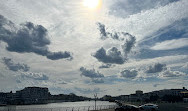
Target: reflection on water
pixel 64 106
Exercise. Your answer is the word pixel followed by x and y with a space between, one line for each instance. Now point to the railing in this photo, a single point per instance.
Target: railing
pixel 82 108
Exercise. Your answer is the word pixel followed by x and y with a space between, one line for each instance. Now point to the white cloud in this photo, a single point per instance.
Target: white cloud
pixel 147 22
pixel 34 76
pixel 88 91
pixel 185 66
pixel 170 73
pixel 147 62
pixel 171 44
pixel 124 8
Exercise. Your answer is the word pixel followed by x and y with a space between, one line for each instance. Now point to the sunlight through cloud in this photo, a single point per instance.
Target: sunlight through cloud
pixel 91 3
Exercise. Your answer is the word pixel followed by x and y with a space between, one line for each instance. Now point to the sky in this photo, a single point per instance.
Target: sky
pixel 108 47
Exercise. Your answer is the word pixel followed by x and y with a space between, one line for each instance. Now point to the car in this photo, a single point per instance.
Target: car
pixel 127 108
pixel 118 103
pixel 149 107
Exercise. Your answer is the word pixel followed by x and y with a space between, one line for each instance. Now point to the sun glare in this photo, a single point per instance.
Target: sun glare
pixel 91 3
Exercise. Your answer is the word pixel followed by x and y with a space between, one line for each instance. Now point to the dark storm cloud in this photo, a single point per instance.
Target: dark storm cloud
pixel 113 56
pixel 59 55
pixel 114 35
pixel 129 44
pixel 15 66
pixel 156 85
pixel 28 38
pixel 95 76
pixel 156 68
pixel 102 30
pixel 105 66
pixel 163 71
pixel 34 76
pixel 125 8
pixel 90 73
pixel 97 80
pixel 129 74
pixel 104 34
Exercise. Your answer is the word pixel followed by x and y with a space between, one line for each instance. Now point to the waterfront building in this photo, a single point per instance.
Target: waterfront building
pixel 138 96
pixel 29 95
pixel 156 95
pixel 3 97
pixel 32 95
pixel 173 92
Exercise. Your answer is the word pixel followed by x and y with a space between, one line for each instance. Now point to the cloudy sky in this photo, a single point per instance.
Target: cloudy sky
pixel 94 46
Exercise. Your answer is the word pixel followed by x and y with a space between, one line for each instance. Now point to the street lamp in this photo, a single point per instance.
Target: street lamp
pixel 95 95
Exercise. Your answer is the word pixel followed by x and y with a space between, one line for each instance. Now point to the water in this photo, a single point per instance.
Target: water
pixel 64 106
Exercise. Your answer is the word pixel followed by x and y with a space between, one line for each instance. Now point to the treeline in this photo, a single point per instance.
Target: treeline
pixel 66 97
pixel 152 98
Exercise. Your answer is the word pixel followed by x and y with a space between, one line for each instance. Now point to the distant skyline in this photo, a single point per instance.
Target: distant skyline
pixel 109 47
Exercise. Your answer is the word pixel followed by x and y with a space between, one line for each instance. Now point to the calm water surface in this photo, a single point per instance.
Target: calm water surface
pixel 83 105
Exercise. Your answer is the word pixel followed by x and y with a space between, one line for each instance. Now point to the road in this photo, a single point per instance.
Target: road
pixel 168 107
